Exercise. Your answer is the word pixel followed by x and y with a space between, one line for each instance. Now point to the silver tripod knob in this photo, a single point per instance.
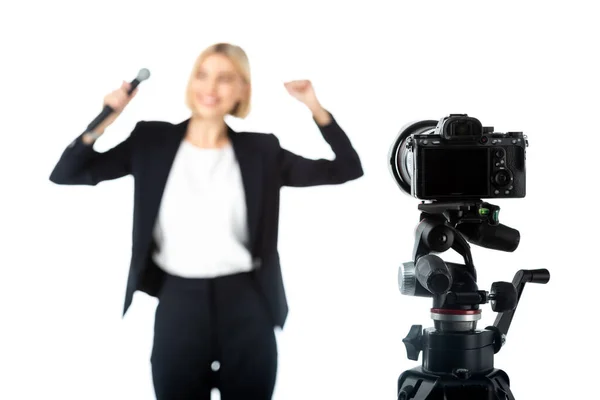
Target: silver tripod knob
pixel 407 279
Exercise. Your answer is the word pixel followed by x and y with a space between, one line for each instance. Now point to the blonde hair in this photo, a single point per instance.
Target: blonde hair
pixel 240 61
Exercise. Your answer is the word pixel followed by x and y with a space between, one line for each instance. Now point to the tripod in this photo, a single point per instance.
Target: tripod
pixel 458 360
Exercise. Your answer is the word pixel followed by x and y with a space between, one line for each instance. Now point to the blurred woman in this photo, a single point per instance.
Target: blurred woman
pixel 205 225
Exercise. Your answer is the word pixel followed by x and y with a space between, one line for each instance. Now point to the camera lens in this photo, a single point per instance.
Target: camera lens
pixel 400 156
pixel 502 178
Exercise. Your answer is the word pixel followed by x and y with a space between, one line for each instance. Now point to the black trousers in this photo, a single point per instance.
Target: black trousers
pixel 213 333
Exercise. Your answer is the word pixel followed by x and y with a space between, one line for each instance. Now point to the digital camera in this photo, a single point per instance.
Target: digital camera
pixel 456 158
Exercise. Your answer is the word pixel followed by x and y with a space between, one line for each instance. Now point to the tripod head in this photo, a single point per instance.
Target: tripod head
pixel 453 287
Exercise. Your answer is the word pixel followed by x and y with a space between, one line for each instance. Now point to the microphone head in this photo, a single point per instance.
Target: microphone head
pixel 143 74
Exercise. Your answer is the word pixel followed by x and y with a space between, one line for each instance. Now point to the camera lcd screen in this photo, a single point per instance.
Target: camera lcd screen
pixel 453 172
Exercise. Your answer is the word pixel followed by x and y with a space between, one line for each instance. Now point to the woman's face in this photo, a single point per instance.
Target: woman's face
pixel 216 87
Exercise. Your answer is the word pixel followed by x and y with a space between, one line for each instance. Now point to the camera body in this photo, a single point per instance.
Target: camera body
pixel 461 159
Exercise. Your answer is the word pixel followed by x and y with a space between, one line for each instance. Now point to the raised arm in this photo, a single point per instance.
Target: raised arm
pixel 80 164
pixel 298 171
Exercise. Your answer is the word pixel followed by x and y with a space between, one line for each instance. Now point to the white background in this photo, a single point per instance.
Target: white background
pixel 515 65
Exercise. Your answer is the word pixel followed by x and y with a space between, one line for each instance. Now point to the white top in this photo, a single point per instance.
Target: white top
pixel 201 229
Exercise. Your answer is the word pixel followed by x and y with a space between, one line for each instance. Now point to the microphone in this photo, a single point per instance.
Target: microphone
pixel 141 76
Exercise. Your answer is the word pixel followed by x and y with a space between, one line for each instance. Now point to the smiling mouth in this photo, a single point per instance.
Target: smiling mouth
pixel 208 101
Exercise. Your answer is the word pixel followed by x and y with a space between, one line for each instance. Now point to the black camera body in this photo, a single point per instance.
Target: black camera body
pixel 460 159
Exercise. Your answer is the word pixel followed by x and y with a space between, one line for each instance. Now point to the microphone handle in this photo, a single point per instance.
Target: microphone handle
pixel 107 110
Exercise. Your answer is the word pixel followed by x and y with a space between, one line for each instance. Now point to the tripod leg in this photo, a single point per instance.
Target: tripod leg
pixel 417 385
pixel 414 385
pixel 501 382
pixel 421 391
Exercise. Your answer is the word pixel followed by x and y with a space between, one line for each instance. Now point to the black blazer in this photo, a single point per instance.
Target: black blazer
pixel 148 154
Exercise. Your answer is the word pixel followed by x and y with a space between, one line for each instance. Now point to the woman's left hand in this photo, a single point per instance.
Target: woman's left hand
pixel 303 91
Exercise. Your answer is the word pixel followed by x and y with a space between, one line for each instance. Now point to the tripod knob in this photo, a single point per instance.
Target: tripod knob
pixel 413 342
pixel 503 296
pixel 407 279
